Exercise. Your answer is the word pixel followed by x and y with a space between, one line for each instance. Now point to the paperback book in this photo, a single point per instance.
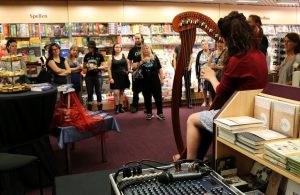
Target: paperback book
pixel 262 110
pixel 286 118
pixel 259 137
pixel 285 148
pixel 240 122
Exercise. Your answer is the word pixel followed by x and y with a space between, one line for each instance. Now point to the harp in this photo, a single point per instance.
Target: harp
pixel 186 24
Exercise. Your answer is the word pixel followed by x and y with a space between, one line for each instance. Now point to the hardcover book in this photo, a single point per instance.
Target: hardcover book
pixel 240 122
pixel 286 118
pixel 262 110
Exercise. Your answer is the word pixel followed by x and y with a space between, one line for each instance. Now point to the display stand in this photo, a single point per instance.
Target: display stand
pixel 242 103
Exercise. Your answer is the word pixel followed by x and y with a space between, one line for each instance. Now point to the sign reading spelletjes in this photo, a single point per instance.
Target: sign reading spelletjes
pixel 38 16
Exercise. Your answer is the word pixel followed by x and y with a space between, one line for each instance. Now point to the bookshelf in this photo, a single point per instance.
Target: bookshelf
pixel 245 159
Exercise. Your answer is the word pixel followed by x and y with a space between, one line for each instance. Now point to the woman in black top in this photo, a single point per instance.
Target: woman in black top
pixel 93 62
pixel 118 75
pixel 152 80
pixel 59 67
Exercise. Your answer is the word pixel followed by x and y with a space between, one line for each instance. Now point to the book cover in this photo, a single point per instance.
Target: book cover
pixel 260 136
pixel 284 148
pixel 262 110
pixel 240 122
pixel 285 118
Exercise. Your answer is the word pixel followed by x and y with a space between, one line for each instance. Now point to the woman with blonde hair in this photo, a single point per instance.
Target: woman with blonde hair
pixel 76 66
pixel 153 79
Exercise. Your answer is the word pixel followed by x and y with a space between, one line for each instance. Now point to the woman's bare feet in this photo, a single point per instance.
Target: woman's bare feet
pixel 176 157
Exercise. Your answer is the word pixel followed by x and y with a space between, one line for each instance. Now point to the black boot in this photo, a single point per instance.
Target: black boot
pixel 134 108
pixel 100 107
pixel 121 109
pixel 90 107
pixel 117 109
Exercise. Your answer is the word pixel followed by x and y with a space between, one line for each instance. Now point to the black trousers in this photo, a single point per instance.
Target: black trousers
pixel 136 89
pixel 92 82
pixel 152 88
pixel 187 85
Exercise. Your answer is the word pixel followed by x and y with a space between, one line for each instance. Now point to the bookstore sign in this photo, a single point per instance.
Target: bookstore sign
pixel 38 16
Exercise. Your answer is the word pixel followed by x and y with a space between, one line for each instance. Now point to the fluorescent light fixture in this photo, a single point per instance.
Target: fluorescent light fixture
pixel 245 1
pixel 287 3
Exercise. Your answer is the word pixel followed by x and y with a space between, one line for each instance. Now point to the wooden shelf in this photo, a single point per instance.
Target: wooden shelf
pixel 259 158
pixel 241 104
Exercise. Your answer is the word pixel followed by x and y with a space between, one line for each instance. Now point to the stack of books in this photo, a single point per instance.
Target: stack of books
pixel 254 140
pixel 227 128
pixel 293 164
pixel 278 152
pixel 41 87
pixel 66 88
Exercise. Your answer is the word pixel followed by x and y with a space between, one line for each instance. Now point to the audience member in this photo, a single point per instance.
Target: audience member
pixel 201 61
pixel 59 67
pixel 153 78
pixel 255 22
pixel 93 62
pixel 118 75
pixel 286 68
pixel 215 61
pixel 134 56
pixel 76 66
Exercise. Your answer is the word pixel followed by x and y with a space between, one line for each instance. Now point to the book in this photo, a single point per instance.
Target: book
pixel 41 87
pixel 256 147
pixel 274 156
pixel 285 118
pixel 227 135
pixel 252 150
pixel 259 136
pixel 240 122
pixel 262 110
pixel 64 88
pixel 274 161
pixel 285 148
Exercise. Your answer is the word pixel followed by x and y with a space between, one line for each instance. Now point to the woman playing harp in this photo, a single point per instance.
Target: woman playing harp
pixel 245 69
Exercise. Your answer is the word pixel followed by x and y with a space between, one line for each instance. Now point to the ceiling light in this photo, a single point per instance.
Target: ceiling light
pixel 287 3
pixel 246 1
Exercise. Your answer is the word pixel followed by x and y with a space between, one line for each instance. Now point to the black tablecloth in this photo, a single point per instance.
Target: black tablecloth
pixel 25 116
pixel 24 127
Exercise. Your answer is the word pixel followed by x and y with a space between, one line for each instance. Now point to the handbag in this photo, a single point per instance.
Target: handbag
pixel 44 76
pixel 137 74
